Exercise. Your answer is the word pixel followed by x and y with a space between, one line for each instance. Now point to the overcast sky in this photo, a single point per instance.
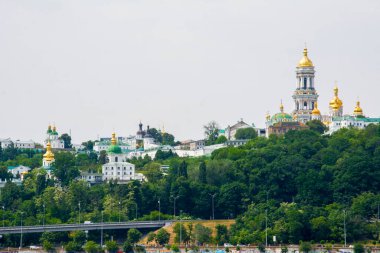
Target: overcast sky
pixel 97 66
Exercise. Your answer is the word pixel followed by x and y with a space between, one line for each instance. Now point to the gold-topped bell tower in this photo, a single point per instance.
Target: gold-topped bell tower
pixel 305 96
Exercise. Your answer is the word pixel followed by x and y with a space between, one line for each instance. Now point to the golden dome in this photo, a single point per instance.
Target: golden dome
pixel 305 61
pixel 267 116
pixel 113 140
pixel 358 110
pixel 49 155
pixel 316 111
pixel 281 108
pixel 336 103
pixel 54 128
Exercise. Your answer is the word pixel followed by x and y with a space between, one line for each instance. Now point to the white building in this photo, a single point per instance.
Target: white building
pixel 230 131
pixel 53 139
pixel 19 171
pixel 91 177
pixel 5 143
pixel 118 168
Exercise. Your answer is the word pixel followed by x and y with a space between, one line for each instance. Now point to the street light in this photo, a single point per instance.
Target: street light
pixel 135 210
pixel 159 209
pixel 43 221
pixel 266 228
pixel 344 227
pixel 119 210
pixel 3 216
pixel 180 228
pixel 101 233
pixel 79 212
pixel 174 198
pixel 212 201
pixel 21 230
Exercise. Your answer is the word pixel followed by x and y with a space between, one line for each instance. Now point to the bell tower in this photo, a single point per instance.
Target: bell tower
pixel 305 96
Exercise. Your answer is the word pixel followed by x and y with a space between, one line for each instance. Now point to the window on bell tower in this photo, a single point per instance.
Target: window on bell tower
pixel 305 83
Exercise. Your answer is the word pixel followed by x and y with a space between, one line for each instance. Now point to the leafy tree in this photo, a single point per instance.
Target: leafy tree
pixel 358 248
pixel 103 157
pixel 88 145
pixel 183 169
pixel 66 140
pixel 202 173
pixel 47 246
pixel 211 131
pixel 317 126
pixel 245 133
pixel 134 235
pixel 74 247
pixel 111 246
pixel 64 167
pixel 305 247
pixel 162 237
pixel 221 139
pixel 202 233
pixel 127 247
pixel 79 237
pixel 181 233
pixel 221 234
pixel 175 248
pixel 151 236
pixel 92 247
pixel 168 139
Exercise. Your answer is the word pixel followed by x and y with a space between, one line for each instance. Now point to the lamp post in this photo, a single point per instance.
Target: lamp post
pixel 344 227
pixel 266 228
pixel 79 212
pixel 180 228
pixel 21 230
pixel 43 220
pixel 119 210
pixel 101 233
pixel 174 198
pixel 212 205
pixel 159 209
pixel 3 215
pixel 135 210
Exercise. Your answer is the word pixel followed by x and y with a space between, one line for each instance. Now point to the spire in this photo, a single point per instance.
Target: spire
pixel 336 103
pixel 358 111
pixel 281 107
pixel 113 139
pixel 305 61
pixel 49 155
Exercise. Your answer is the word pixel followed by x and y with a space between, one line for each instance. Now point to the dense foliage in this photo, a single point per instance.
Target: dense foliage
pixel 304 183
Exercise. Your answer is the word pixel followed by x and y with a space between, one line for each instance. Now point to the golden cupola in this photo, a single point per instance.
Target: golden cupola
pixel 49 155
pixel 336 103
pixel 305 61
pixel 316 111
pixel 358 111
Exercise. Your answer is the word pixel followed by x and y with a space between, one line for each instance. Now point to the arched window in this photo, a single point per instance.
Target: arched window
pixel 116 159
pixel 297 105
pixel 305 105
pixel 305 83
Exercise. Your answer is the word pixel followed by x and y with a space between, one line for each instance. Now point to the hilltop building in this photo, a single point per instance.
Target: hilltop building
pixel 5 143
pixel 117 167
pixel 53 139
pixel 305 99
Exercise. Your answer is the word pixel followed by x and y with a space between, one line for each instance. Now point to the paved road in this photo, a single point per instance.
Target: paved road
pixel 92 226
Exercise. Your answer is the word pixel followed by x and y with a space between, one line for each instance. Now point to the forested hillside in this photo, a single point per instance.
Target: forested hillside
pixel 305 182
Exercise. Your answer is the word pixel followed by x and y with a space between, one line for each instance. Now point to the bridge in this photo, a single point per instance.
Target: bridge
pixel 82 226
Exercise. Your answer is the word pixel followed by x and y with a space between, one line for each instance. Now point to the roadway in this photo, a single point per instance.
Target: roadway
pixel 91 226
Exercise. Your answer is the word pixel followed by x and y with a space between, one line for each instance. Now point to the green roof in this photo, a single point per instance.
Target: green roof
pixel 281 116
pixel 114 149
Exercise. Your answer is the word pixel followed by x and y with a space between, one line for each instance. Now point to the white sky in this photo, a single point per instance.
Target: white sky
pixel 95 66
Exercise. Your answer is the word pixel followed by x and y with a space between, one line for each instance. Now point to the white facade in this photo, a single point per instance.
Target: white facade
pixel 5 143
pixel 52 137
pixel 19 171
pixel 121 170
pixel 351 121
